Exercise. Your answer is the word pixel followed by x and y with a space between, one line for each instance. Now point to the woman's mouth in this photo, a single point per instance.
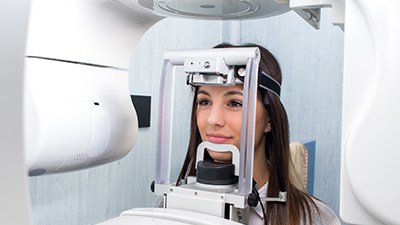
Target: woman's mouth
pixel 218 138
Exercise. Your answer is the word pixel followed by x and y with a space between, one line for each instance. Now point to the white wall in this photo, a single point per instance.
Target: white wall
pixel 312 65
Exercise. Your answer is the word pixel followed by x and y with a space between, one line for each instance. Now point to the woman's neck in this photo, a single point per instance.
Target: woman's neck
pixel 260 166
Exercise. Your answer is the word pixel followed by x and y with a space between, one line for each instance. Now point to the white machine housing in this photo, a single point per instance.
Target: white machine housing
pixel 369 192
pixel 157 216
pixel 309 10
pixel 76 116
pixel 77 107
pixel 217 9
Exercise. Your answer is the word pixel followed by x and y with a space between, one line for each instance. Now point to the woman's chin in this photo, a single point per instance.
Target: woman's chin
pixel 223 157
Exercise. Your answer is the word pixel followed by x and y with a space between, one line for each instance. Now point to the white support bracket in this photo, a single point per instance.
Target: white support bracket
pixel 310 11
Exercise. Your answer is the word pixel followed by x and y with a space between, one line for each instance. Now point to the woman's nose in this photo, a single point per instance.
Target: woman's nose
pixel 216 116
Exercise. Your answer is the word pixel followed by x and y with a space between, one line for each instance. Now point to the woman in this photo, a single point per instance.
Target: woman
pixel 216 117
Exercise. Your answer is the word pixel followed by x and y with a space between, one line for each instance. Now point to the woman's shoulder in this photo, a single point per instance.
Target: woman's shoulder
pixel 324 215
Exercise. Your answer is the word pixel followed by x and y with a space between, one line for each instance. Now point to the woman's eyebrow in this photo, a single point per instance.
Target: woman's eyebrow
pixel 229 93
pixel 203 92
pixel 233 93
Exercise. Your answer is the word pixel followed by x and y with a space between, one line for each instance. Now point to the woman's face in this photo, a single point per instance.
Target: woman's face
pixel 219 118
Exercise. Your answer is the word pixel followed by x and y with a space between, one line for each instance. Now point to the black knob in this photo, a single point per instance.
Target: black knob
pixel 253 199
pixel 153 183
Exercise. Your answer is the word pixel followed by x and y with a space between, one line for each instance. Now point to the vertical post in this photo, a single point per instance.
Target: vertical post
pixel 248 125
pixel 14 195
pixel 165 120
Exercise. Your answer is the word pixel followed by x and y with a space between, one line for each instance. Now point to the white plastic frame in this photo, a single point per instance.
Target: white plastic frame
pixel 232 56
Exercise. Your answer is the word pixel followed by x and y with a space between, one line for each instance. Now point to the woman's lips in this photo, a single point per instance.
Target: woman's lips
pixel 217 138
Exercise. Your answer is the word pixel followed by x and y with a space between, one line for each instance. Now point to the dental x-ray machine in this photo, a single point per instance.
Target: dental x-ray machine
pixel 219 190
pixel 369 188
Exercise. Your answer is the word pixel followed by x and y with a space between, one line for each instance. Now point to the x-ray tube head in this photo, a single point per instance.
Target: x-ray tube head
pixel 76 116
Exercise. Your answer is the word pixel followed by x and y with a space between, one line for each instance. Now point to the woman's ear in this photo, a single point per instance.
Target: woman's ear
pixel 267 128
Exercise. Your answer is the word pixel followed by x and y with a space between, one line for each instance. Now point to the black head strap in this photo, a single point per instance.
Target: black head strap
pixel 265 81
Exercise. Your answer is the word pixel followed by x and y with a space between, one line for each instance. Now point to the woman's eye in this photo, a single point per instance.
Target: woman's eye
pixel 203 102
pixel 235 103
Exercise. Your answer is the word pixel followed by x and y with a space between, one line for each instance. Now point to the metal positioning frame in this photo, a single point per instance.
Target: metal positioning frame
pixel 212 66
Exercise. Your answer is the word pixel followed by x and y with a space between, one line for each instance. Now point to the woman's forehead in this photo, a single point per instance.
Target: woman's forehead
pixel 220 89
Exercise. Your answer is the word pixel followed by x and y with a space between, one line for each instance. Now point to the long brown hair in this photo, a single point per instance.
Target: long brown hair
pixel 299 206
